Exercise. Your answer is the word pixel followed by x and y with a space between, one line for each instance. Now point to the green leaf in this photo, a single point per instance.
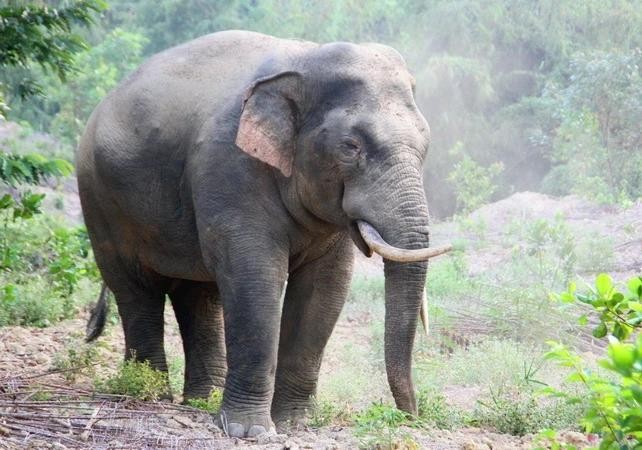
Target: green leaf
pixel 623 357
pixel 6 201
pixel 604 284
pixel 600 331
pixel 635 287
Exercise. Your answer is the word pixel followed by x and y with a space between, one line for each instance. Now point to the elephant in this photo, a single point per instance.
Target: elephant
pixel 231 166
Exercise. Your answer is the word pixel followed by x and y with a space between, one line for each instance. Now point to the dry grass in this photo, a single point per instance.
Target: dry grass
pixel 35 411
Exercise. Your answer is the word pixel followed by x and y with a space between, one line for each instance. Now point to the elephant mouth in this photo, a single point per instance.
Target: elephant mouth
pixel 355 234
pixel 368 240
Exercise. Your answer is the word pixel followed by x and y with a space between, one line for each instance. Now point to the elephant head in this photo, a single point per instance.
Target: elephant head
pixel 340 124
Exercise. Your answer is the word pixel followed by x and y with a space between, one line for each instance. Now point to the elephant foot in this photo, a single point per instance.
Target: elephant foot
pixel 242 425
pixel 291 417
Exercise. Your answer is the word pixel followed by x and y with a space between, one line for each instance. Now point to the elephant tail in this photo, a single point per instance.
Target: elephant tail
pixel 96 322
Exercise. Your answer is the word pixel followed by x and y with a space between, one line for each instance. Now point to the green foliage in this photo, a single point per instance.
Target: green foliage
pixel 619 313
pixel 378 427
pixel 325 412
pixel 518 411
pixel 71 262
pixel 473 183
pixel 31 169
pixel 98 70
pixel 78 360
pixel 136 379
pixel 211 404
pixel 434 412
pixel 600 111
pixel 614 401
pixel 36 255
pixel 549 90
pixel 43 35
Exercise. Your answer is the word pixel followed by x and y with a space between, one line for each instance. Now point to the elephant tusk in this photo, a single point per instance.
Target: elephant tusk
pixel 423 312
pixel 387 251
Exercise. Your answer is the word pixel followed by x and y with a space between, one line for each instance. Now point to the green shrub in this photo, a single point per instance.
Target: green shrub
pixel 78 359
pixel 325 412
pixel 37 255
pixel 473 183
pixel 211 404
pixel 434 412
pixel 378 427
pixel 615 398
pixel 138 380
pixel 519 411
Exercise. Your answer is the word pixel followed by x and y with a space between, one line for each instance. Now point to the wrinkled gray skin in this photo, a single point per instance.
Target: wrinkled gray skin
pixel 225 166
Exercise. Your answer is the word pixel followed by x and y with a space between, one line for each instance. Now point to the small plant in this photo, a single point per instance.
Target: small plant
pixel 325 412
pixel 211 404
pixel 77 360
pixel 136 379
pixel 519 410
pixel 70 262
pixel 378 427
pixel 41 396
pixel 436 413
pixel 472 182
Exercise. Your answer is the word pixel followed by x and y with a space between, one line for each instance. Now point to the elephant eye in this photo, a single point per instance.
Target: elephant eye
pixel 350 147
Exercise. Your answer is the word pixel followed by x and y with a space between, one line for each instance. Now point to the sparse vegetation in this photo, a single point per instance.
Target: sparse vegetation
pixel 379 427
pixel 520 410
pixel 325 412
pixel 77 360
pixel 434 412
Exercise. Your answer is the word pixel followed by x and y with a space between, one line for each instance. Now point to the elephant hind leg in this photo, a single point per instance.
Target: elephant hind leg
pixel 141 303
pixel 200 318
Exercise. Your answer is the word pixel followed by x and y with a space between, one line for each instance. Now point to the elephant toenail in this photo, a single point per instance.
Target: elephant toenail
pixel 235 430
pixel 255 430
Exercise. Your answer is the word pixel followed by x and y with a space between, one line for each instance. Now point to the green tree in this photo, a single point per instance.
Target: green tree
pixel 598 144
pixel 42 35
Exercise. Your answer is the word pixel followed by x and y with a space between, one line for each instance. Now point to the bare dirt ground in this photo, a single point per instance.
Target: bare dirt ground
pixel 27 352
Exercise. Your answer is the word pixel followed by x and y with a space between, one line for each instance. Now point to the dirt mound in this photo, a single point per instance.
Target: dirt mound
pixel 527 206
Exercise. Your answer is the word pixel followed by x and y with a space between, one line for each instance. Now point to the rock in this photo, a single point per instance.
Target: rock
pixel 270 437
pixel 290 445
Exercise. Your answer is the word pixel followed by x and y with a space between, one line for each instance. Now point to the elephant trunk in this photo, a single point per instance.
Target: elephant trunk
pixel 404 292
pixel 405 228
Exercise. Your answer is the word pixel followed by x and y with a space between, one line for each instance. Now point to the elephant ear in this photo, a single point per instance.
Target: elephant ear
pixel 268 124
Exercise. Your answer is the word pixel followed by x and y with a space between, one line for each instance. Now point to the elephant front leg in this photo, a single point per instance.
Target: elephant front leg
pixel 314 299
pixel 250 284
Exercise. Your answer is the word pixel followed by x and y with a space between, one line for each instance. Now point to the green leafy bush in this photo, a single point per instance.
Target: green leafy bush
pixel 38 251
pixel 138 380
pixel 211 404
pixel 37 255
pixel 43 35
pixel 77 359
pixel 434 411
pixel 615 397
pixel 473 184
pixel 378 427
pixel 520 410
pixel 325 412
